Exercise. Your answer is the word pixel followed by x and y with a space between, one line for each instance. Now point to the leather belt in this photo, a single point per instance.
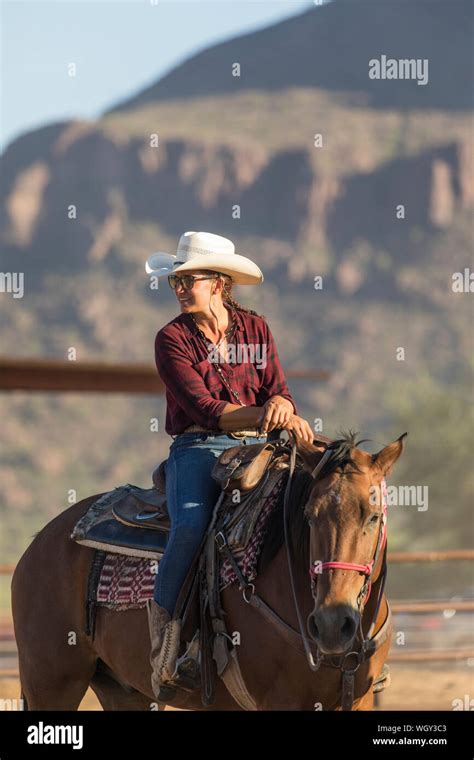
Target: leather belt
pixel 233 434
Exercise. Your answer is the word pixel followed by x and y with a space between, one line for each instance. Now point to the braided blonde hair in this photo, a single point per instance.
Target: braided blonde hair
pixel 227 296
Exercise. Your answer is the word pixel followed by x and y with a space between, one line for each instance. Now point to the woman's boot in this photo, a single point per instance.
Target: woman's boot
pixel 165 641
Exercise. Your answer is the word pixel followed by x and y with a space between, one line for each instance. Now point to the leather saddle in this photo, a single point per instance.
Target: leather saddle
pixel 239 467
pixel 145 508
pixel 135 521
pixel 128 520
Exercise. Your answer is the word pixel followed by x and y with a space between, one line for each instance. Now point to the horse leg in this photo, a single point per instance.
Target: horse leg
pixel 51 677
pixel 46 685
pixel 62 694
pixel 49 683
pixel 112 695
pixel 56 658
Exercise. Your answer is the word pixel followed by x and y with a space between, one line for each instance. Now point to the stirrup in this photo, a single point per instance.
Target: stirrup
pixel 167 694
pixel 187 674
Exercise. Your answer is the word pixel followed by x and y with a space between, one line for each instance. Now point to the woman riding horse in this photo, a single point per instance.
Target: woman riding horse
pixel 214 401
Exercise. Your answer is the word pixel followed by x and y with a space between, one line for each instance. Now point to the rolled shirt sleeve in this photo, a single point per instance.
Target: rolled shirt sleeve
pixel 273 381
pixel 185 384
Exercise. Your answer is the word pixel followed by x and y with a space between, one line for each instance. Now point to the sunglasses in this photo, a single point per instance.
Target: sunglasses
pixel 186 280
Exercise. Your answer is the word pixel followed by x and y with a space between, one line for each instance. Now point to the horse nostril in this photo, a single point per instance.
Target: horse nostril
pixel 312 627
pixel 348 627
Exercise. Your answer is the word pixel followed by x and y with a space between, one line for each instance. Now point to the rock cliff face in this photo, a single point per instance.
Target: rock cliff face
pixel 104 179
pixel 67 195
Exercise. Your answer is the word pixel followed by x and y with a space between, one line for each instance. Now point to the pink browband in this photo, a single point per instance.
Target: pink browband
pixel 365 569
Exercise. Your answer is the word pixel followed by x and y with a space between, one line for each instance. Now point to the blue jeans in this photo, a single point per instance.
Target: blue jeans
pixel 191 494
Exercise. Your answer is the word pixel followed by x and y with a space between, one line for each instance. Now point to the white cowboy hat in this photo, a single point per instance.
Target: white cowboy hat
pixel 204 250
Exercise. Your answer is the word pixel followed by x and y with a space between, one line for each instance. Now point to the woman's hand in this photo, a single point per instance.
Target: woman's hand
pixel 300 427
pixel 277 412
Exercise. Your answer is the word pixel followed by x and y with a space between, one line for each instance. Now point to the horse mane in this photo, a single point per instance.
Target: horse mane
pixel 340 459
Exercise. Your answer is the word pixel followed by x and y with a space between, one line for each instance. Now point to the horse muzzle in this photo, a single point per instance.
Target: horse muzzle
pixel 334 628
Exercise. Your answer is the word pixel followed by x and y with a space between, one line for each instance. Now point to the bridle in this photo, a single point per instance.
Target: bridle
pixel 316 568
pixel 298 639
pixel 366 643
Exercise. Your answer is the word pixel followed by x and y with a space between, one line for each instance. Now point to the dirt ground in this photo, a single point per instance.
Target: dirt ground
pixel 413 688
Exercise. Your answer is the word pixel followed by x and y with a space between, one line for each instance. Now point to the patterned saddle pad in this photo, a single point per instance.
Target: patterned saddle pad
pixel 123 582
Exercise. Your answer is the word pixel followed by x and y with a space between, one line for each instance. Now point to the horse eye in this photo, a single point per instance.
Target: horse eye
pixel 374 518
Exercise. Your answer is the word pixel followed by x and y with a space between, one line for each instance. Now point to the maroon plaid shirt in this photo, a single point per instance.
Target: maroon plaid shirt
pixel 195 394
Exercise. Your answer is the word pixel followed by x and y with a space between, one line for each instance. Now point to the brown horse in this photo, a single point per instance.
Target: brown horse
pixel 58 661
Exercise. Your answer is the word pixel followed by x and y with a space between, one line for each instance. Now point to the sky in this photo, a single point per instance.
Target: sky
pixel 118 47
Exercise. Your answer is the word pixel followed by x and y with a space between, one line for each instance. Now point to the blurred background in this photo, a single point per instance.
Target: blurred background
pixel 125 124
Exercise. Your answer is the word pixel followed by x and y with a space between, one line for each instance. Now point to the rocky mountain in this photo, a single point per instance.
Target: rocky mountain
pixel 329 48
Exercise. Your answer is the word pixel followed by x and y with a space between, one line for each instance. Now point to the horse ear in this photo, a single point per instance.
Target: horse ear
pixel 386 457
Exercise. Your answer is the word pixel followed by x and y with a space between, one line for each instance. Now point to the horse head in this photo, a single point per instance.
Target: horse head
pixel 346 513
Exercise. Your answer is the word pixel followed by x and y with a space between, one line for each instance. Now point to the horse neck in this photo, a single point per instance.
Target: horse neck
pixel 275 587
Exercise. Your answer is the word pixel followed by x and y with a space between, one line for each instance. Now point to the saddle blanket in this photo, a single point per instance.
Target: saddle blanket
pixel 127 582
